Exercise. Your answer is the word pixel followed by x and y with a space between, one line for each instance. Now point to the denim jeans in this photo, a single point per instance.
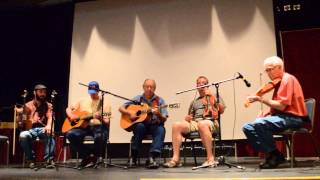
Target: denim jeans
pixel 157 132
pixel 260 132
pixel 99 133
pixel 26 138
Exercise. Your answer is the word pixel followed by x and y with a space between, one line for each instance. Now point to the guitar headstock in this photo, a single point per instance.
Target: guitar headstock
pixel 174 105
pixel 106 114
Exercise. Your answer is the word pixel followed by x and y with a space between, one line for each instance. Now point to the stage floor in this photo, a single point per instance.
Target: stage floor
pixel 307 169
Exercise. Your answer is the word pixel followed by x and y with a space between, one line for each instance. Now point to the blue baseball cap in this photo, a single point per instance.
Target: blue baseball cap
pixel 93 87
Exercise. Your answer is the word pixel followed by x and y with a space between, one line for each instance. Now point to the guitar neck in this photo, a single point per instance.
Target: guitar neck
pixel 90 116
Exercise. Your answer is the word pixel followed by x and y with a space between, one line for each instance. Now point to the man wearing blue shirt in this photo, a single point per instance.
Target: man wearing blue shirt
pixel 153 124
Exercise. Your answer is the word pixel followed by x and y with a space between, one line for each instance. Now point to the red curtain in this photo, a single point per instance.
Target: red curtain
pixel 301 53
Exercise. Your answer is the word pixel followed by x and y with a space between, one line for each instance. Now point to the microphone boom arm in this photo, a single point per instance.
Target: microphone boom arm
pixel 207 85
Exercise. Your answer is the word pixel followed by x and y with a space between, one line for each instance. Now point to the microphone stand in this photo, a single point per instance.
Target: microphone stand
pixel 221 159
pixel 103 92
pixel 50 136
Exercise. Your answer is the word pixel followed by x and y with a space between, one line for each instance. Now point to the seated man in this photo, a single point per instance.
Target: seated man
pixel 39 112
pixel 287 110
pixel 202 117
pixel 154 123
pixel 97 126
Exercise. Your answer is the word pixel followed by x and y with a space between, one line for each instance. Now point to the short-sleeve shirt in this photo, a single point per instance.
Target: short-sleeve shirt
pixel 93 106
pixel 197 108
pixel 290 93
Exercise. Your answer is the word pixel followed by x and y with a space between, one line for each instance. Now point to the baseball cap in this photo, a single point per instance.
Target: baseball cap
pixel 39 86
pixel 93 87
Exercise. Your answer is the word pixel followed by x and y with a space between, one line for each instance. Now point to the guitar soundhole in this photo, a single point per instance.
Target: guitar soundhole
pixel 138 113
pixel 73 123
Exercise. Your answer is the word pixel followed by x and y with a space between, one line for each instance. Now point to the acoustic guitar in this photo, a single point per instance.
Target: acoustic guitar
pixel 82 120
pixel 141 112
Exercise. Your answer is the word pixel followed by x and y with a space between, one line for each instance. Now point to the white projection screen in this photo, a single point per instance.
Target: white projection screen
pixel 121 43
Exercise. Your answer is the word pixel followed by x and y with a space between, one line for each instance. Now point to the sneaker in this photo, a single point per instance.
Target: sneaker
pixel 151 163
pixel 50 164
pixel 32 165
pixel 84 163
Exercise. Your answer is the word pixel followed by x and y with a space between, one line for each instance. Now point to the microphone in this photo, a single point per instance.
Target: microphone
pixel 25 93
pixel 245 81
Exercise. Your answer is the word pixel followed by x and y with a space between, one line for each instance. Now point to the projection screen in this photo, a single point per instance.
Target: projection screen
pixel 120 44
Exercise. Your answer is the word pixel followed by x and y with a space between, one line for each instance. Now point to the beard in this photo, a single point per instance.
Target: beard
pixel 41 98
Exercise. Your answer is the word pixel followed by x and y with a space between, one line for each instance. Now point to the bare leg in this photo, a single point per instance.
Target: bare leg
pixel 178 129
pixel 206 138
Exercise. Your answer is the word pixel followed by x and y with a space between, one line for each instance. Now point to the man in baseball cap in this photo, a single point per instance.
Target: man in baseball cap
pixel 97 126
pixel 93 87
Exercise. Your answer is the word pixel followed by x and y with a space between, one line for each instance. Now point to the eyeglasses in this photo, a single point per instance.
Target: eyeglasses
pixel 270 69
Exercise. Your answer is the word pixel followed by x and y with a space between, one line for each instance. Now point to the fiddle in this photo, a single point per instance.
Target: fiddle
pixel 265 89
pixel 211 110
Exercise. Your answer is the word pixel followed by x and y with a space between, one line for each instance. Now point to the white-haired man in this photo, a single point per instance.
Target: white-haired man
pixel 286 110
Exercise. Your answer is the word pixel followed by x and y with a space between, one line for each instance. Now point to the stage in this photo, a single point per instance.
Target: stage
pixel 307 169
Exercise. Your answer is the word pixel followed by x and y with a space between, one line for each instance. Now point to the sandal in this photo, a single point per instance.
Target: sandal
pixel 210 163
pixel 172 164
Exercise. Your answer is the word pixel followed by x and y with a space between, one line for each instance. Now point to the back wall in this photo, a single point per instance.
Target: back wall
pixel 122 43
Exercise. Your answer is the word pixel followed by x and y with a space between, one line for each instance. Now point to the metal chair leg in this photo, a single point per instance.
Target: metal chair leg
pixel 194 153
pixel 8 146
pixel 292 153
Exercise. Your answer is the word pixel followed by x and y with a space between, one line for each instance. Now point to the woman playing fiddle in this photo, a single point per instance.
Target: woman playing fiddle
pixel 286 110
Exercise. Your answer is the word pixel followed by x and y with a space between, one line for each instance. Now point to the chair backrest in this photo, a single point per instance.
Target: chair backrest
pixel 311 105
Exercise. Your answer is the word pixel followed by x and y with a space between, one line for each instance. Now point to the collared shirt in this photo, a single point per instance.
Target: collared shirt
pixel 290 94
pixel 143 99
pixel 33 115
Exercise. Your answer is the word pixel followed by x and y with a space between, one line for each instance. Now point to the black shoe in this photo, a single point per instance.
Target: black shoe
pixel 151 163
pixel 273 161
pixel 87 162
pixel 265 165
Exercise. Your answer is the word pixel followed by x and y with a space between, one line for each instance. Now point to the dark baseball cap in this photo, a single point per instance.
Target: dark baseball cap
pixel 93 87
pixel 39 86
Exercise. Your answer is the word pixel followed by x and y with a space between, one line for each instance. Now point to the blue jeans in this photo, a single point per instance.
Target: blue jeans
pixel 99 133
pixel 260 132
pixel 157 132
pixel 26 138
